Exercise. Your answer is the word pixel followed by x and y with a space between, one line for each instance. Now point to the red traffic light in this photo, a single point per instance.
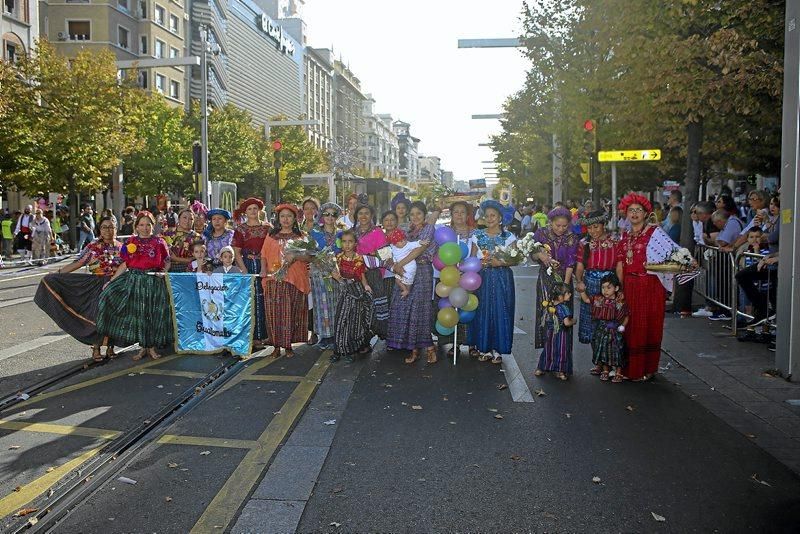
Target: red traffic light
pixel 277 145
pixel 588 125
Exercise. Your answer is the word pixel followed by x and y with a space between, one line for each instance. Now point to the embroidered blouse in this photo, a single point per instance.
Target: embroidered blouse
pixel 609 309
pixel 351 269
pixel 486 242
pixel 100 258
pixel 272 258
pixel 598 255
pixel 422 233
pixel 369 241
pixel 180 241
pixel 327 239
pixel 215 244
pixel 563 248
pixel 250 238
pixel 145 253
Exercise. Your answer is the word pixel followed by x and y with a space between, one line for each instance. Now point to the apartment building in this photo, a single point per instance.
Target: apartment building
pixel 319 100
pixel 19 28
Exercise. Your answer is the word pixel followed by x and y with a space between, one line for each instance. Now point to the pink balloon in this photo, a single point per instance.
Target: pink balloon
pixel 471 264
pixel 470 281
pixel 438 263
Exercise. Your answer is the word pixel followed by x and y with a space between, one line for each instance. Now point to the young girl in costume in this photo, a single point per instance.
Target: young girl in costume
pixel 557 353
pixel 354 308
pixel 200 263
pixel 609 317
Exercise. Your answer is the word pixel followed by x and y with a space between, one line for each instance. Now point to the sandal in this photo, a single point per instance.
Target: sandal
pixel 484 358
pixel 562 376
pixel 96 356
pixel 618 378
pixel 289 353
pixel 153 354
pixel 139 355
pixel 497 359
pixel 604 376
pixel 276 353
pixel 110 354
pixel 413 357
pixel 596 370
pixel 538 372
pixel 432 357
pixel 474 353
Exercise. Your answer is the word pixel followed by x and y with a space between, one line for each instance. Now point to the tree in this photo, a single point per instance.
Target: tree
pixel 163 163
pixel 300 157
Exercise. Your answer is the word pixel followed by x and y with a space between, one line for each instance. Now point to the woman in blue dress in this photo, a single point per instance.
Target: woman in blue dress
pixel 325 290
pixel 492 330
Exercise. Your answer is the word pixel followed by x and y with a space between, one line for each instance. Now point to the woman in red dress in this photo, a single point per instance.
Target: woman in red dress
pixel 644 292
pixel 248 238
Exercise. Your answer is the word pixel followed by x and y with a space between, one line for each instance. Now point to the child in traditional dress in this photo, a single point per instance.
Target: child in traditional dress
pixel 402 247
pixel 354 307
pixel 609 315
pixel 558 321
pixel 226 258
pixel 200 263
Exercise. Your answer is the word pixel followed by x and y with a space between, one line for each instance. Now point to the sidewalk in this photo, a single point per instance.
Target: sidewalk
pixel 728 378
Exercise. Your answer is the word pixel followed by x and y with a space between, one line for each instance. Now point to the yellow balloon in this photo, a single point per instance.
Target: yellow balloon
pixel 443 290
pixel 472 303
pixel 448 317
pixel 450 276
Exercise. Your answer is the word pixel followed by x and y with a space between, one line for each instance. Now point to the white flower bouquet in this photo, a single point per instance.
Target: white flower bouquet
pixel 529 246
pixel 510 255
pixel 681 260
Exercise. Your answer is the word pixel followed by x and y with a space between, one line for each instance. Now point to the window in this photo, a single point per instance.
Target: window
pixel 173 23
pixel 79 30
pixel 143 9
pixel 174 52
pixel 143 44
pixel 175 89
pixel 122 4
pixel 143 79
pixel 11 52
pixel 161 83
pixel 160 50
pixel 160 15
pixel 123 36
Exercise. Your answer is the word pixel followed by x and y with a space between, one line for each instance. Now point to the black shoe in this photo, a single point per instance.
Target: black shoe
pixel 757 320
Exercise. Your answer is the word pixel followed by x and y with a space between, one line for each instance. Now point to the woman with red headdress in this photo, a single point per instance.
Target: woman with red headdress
pixel 286 299
pixel 248 238
pixel 645 293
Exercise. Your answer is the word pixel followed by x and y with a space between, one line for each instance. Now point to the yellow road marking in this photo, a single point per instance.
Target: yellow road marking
pixel 249 371
pixel 226 503
pixel 16 500
pixel 172 439
pixel 22 277
pixel 171 372
pixel 275 378
pixel 62 430
pixel 94 381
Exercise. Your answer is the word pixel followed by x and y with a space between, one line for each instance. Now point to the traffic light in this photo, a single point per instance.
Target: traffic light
pixel 585 173
pixel 277 156
pixel 590 137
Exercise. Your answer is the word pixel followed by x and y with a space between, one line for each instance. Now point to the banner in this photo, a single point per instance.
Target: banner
pixel 213 312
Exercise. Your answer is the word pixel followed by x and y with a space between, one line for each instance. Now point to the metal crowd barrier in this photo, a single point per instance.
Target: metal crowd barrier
pixel 717 280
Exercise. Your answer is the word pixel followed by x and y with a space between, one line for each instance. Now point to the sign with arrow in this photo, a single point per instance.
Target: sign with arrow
pixel 649 154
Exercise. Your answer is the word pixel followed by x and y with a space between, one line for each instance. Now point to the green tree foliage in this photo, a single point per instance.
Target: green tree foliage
pixel 300 157
pixel 164 161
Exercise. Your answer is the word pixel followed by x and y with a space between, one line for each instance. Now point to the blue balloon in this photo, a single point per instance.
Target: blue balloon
pixel 443 330
pixel 466 316
pixel 464 249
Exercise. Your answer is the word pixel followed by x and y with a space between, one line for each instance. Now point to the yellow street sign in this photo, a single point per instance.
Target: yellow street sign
pixel 649 154
pixel 282 178
pixel 585 173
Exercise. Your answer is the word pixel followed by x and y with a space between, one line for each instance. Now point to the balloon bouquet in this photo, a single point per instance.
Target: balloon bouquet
pixel 458 278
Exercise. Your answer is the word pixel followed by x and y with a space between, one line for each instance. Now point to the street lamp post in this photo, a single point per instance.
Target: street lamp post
pixel 206 47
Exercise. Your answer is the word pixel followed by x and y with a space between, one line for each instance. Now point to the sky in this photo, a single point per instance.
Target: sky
pixel 405 52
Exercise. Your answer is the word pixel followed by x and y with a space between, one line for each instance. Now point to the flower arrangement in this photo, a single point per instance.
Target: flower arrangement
pixel 510 255
pixel 529 246
pixel 299 246
pixel 680 260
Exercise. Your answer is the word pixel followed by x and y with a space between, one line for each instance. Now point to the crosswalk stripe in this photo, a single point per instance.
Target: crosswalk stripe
pixel 30 345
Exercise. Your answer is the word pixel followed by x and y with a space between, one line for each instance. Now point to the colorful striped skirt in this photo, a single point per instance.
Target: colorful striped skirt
pixel 410 316
pixel 557 352
pixel 353 313
pixel 591 278
pixel 287 313
pixel 543 284
pixel 253 265
pixel 607 344
pixel 493 326
pixel 71 301
pixel 325 296
pixel 135 308
pixel 380 303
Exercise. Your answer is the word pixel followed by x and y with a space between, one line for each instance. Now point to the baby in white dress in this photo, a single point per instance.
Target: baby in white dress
pixel 401 248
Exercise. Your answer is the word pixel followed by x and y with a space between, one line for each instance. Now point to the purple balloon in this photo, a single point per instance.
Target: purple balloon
pixel 438 263
pixel 444 303
pixel 470 281
pixel 444 234
pixel 470 265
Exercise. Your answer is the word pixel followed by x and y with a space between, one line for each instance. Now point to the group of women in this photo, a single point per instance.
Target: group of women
pixel 122 302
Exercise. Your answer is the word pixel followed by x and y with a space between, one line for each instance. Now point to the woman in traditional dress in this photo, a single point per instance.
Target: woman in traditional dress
pixel 645 293
pixel 248 238
pixel 217 234
pixel 72 301
pixel 348 220
pixel 310 209
pixel 388 223
pixel 492 330
pixel 463 224
pixel 134 308
pixel 410 324
pixel 370 238
pixel 180 240
pixel 557 265
pixel 41 235
pixel 286 299
pixel 401 206
pixel 597 257
pixel 324 292
pixel 353 310
pixel 200 220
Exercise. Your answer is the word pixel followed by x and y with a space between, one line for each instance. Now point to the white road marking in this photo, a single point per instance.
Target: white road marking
pixel 525 276
pixel 30 345
pixel 517 330
pixel 14 302
pixel 516 382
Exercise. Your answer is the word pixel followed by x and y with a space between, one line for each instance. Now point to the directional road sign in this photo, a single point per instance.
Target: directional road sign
pixel 649 154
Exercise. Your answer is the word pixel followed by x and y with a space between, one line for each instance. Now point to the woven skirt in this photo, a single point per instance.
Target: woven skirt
pixel 287 313
pixel 71 301
pixel 592 280
pixel 325 295
pixel 353 317
pixel 260 330
pixel 380 303
pixel 135 308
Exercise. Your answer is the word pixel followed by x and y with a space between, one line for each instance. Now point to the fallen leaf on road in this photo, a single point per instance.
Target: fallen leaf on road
pixel 502 386
pixel 493 410
pixel 452 422
pixel 205 453
pixel 568 415
pixel 659 518
pixel 548 515
pixel 51 469
pixel 127 480
pixel 755 478
pixel 498 416
pixel 172 465
pixel 160 386
pixel 337 490
pixel 329 422
pixel 445 398
pixel 13 447
pixel 751 436
pixel 404 403
pixel 168 499
pixel 32 521
pixel 516 457
pixel 18 488
pixel 540 393
pixel 416 407
pixel 334 524
pixel 22 512
pixel 596 480
pixel 630 408
pixel 50 493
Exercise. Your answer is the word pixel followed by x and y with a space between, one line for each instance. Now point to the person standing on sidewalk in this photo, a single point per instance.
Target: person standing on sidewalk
pixel 8 236
pixel 86 226
pixel 22 233
pixel 41 234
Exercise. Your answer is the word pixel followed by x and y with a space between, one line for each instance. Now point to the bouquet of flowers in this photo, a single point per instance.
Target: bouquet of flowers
pixel 384 253
pixel 510 254
pixel 299 246
pixel 325 261
pixel 529 246
pixel 680 260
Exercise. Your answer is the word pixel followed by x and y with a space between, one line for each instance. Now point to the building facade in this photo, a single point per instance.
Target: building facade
pixel 447 179
pixel 408 147
pixel 348 100
pixel 381 147
pixel 131 29
pixel 19 28
pixel 319 101
pixel 430 170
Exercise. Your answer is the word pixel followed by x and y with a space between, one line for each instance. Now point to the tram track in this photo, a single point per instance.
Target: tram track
pixel 80 483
